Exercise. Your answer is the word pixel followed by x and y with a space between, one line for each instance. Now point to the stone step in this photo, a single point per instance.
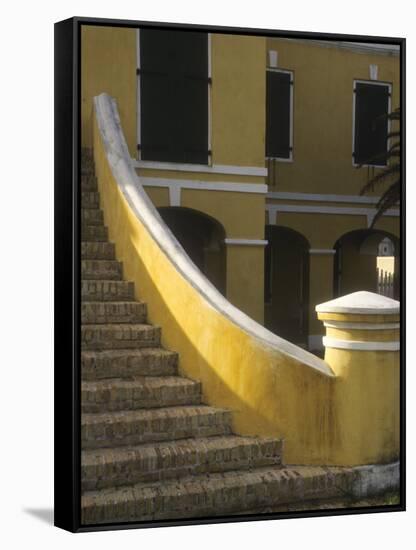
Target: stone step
pixel 90 199
pixel 113 312
pixel 119 336
pixel 102 468
pixel 94 233
pixel 107 291
pixel 92 216
pixel 98 251
pixel 213 494
pixel 88 182
pixel 86 154
pixel 99 365
pixel 150 425
pixel 101 270
pixel 140 392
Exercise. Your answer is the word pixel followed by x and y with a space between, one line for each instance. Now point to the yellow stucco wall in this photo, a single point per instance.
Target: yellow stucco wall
pixel 323 100
pixel 108 64
pixel 238 99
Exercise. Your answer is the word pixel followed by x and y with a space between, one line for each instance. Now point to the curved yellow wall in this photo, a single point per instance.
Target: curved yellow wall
pixel 345 416
pixel 269 393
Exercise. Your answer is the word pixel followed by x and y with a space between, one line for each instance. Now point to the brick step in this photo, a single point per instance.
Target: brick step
pixel 150 425
pixel 89 182
pixel 98 251
pixel 94 233
pixel 102 468
pixel 101 270
pixel 119 336
pixel 113 312
pixel 107 291
pixel 92 216
pixel 140 392
pixel 213 494
pixel 99 365
pixel 90 199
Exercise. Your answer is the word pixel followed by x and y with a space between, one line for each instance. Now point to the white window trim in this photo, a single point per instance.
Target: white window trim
pixel 138 130
pixel 354 95
pixel 291 100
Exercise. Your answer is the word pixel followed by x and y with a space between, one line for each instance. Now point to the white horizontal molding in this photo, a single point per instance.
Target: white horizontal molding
pixel 328 251
pixel 361 326
pixel 336 210
pixel 360 346
pixel 316 197
pixel 246 242
pixel 258 188
pixel 213 169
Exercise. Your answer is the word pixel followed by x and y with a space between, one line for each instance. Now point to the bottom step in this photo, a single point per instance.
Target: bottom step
pixel 213 494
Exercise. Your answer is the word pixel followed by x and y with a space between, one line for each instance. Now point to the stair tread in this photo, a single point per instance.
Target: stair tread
pixel 115 353
pixel 139 381
pixel 211 494
pixel 162 412
pixel 130 452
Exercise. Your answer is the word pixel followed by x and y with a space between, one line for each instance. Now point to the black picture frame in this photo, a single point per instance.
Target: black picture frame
pixel 67 273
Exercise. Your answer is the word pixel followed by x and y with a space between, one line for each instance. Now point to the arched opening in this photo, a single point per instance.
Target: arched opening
pixel 286 285
pixel 202 237
pixel 367 259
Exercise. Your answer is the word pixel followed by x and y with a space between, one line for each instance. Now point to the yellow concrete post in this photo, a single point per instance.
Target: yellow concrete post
pixel 362 346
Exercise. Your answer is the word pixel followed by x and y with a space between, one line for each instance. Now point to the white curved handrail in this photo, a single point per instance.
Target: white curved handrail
pixel 129 182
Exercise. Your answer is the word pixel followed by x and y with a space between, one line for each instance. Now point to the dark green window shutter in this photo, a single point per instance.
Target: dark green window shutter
pixel 371 124
pixel 278 89
pixel 174 96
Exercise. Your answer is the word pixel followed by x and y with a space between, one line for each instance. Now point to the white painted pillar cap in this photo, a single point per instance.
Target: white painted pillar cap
pixel 361 303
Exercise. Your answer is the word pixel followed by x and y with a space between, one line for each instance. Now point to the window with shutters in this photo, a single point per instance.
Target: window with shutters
pixel 371 105
pixel 173 88
pixel 279 114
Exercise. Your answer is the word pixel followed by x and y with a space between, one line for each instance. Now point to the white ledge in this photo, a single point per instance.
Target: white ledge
pixel 360 346
pixel 361 326
pixel 130 185
pixel 234 187
pixel 204 168
pixel 246 242
pixel 361 303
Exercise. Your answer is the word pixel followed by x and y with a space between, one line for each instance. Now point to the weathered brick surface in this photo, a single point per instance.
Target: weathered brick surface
pixel 149 425
pixel 119 336
pixel 101 269
pixel 139 392
pixel 98 365
pixel 92 216
pixel 105 467
pixel 90 199
pixel 94 233
pixel 97 251
pixel 213 494
pixel 107 291
pixel 88 182
pixel 113 312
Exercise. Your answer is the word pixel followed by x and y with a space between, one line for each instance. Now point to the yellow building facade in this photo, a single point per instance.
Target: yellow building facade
pixel 257 214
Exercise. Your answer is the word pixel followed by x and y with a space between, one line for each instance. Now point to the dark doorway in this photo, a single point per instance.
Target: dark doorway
pixel 286 285
pixel 202 237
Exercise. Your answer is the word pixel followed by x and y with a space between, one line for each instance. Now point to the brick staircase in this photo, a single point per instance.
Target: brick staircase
pixel 150 448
